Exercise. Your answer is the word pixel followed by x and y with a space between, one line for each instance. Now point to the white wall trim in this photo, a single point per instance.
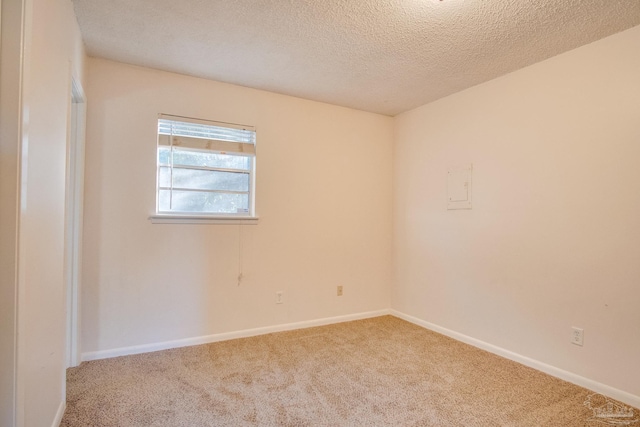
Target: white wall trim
pixel 595 386
pixel 146 348
pixel 587 383
pixel 74 202
pixel 58 419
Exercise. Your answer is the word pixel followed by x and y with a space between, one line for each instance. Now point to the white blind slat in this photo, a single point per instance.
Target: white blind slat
pixel 207 145
pixel 214 130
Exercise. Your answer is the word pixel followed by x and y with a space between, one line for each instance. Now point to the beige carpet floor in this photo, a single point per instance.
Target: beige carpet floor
pixel 375 372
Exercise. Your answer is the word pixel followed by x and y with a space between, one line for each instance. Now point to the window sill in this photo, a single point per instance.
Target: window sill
pixel 194 219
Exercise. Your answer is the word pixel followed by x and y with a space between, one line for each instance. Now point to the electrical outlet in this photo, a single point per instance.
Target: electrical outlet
pixel 577 336
pixel 340 290
pixel 279 297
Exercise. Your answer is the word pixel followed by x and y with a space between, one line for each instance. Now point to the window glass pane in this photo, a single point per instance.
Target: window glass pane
pixel 210 180
pixel 163 155
pixel 212 160
pixel 195 158
pixel 201 202
pixel 164 179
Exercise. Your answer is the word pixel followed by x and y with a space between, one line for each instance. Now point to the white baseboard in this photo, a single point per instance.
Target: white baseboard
pixel 146 348
pixel 587 383
pixel 58 419
pixel 595 386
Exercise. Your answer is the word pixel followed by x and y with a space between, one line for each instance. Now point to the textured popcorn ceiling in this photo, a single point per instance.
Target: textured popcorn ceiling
pixel 385 56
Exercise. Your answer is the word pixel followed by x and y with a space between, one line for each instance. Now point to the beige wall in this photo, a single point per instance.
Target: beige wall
pixel 52 53
pixel 553 239
pixel 323 197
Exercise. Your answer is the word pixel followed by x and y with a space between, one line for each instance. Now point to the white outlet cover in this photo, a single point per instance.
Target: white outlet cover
pixel 577 336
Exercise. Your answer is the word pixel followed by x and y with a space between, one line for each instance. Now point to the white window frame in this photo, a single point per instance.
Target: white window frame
pixel 219 146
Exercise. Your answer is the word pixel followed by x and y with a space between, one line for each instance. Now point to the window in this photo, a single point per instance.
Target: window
pixel 205 168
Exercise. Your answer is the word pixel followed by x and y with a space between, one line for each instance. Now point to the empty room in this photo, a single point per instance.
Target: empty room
pixel 320 213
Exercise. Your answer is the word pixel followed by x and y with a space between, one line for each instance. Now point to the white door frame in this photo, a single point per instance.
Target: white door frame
pixel 73 218
pixel 12 65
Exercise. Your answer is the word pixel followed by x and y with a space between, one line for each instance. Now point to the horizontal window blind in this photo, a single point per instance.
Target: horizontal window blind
pixel 204 166
pixel 207 144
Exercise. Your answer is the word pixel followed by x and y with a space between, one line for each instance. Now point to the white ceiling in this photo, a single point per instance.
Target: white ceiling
pixel 384 56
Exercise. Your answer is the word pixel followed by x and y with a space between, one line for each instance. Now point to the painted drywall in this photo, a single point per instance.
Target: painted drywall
pixel 52 52
pixel 553 238
pixel 323 195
